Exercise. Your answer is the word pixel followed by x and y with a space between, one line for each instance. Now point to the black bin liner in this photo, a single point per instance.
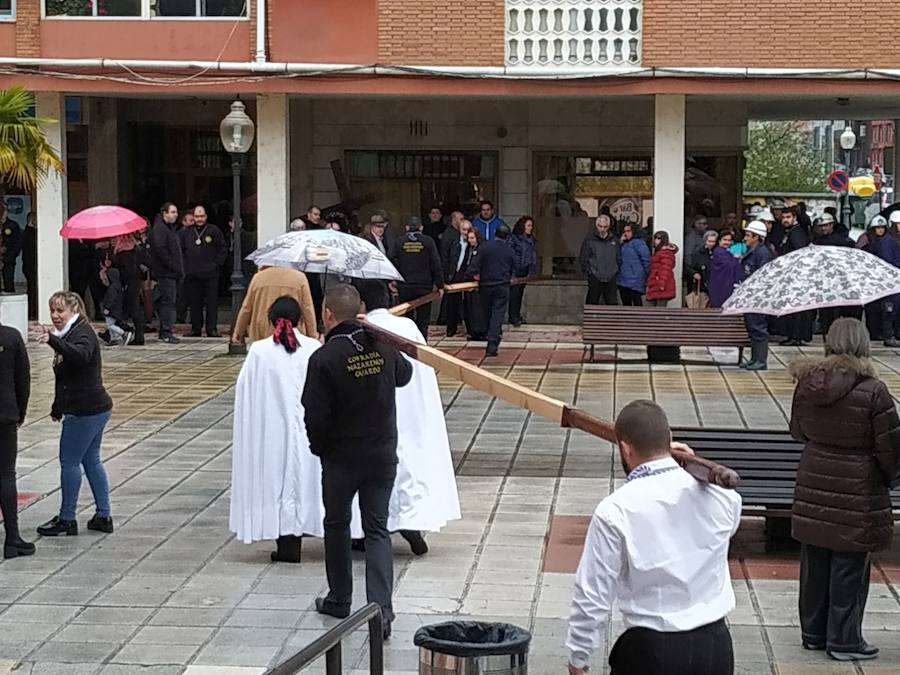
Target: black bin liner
pixel 473 638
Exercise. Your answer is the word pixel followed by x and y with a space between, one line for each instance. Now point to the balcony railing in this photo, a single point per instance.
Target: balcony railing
pixel 578 33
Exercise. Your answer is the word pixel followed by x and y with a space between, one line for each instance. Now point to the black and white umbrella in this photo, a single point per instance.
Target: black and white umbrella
pixel 326 252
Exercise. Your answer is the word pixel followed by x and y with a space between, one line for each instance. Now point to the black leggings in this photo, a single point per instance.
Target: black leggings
pixel 8 493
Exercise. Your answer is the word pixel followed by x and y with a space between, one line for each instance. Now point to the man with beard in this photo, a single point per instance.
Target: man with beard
pixel 205 252
pixel 799 325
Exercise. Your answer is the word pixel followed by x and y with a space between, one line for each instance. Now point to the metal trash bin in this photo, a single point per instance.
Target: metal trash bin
pixel 472 648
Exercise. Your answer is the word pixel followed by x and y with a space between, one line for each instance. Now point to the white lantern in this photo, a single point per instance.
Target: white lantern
pixel 237 129
pixel 848 139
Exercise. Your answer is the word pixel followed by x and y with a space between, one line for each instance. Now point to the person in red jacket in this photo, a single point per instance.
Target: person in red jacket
pixel 661 280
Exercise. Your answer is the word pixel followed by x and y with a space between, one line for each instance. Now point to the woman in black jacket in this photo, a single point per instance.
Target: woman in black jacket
pixel 473 310
pixel 84 407
pixel 15 376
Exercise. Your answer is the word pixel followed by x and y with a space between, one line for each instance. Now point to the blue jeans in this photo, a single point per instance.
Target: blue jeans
pixel 79 446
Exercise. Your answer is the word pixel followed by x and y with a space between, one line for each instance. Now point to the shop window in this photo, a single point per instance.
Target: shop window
pixel 409 183
pixel 6 9
pixel 99 8
pixel 199 8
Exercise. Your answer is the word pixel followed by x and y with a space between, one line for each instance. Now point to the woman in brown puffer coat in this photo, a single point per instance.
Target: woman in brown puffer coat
pixel 842 505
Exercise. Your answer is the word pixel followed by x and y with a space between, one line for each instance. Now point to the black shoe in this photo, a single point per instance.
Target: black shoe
pixel 194 333
pixel 214 334
pixel 516 324
pixel 416 541
pixel 101 524
pixel 17 547
pixel 323 606
pixel 866 653
pixel 490 352
pixel 786 342
pixel 137 342
pixel 358 545
pixel 105 336
pixel 56 527
pixel 170 340
pixel 451 333
pixel 289 548
pixel 814 646
pixel 386 631
pixel 892 343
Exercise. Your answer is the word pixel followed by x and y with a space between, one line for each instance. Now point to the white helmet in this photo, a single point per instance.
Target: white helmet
pixel 894 217
pixel 757 227
pixel 878 221
pixel 826 218
pixel 766 216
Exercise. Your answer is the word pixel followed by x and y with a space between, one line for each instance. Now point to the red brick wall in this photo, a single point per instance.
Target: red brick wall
pixel 28 28
pixel 766 34
pixel 441 32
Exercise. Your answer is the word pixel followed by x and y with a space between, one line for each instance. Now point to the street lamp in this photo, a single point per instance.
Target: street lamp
pixel 236 131
pixel 848 142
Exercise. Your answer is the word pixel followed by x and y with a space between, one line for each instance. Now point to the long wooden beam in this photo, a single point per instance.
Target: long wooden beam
pixel 550 408
pixel 462 287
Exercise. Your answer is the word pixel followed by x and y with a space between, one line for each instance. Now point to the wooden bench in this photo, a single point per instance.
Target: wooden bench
pixel 767 461
pixel 662 326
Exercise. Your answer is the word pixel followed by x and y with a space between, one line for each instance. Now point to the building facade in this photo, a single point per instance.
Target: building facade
pixel 560 109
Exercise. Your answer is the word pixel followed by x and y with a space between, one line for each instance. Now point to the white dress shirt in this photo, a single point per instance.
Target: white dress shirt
pixel 658 545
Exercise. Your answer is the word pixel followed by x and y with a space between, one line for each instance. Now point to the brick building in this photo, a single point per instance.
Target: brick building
pixel 556 108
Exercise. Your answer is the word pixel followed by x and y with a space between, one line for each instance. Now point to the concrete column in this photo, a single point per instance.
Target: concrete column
pixel 668 176
pixel 896 168
pixel 52 207
pixel 103 151
pixel 273 167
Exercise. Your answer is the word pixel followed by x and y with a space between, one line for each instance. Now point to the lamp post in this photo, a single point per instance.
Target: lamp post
pixel 236 131
pixel 848 142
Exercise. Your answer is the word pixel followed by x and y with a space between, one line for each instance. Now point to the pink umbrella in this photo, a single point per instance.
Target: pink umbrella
pixel 102 222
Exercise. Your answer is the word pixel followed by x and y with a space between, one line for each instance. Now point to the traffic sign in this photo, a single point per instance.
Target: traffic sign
pixel 878 177
pixel 838 180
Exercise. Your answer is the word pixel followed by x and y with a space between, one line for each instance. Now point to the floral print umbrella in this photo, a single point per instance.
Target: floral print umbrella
pixel 814 277
pixel 326 252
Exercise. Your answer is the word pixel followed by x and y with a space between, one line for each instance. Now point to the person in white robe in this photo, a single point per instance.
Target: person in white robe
pixel 276 484
pixel 425 496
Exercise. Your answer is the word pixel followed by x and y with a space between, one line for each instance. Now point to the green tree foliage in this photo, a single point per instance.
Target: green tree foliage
pixel 25 154
pixel 782 159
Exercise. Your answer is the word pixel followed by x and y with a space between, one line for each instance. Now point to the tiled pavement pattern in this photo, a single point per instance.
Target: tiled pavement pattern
pixel 171 592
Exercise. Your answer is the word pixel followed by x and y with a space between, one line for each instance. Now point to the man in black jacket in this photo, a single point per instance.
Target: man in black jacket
pixel 15 378
pixel 351 422
pixel 205 250
pixel 167 267
pixel 453 253
pixel 29 262
pixel 798 325
pixel 416 258
pixel 493 265
pixel 10 247
pixel 825 235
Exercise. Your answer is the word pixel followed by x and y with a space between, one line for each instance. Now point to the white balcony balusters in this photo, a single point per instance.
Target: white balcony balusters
pixel 577 33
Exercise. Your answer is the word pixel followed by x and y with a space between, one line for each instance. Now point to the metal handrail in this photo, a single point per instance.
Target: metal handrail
pixel 329 644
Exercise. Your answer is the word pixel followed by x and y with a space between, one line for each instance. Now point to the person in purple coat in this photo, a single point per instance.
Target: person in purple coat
pixel 724 270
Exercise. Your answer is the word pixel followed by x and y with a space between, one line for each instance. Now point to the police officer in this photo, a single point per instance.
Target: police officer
pixel 882 244
pixel 757 324
pixel 10 246
pixel 351 421
pixel 204 251
pixel 417 259
pixel 826 235
pixel 493 265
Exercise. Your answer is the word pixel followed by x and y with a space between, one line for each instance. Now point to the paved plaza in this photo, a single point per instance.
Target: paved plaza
pixel 171 592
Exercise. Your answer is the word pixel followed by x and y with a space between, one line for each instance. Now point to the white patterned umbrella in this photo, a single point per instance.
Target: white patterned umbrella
pixel 326 252
pixel 815 277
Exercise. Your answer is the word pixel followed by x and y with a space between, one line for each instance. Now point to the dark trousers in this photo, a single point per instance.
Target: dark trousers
pixel 166 292
pixel 516 294
pixel 203 294
pixel 133 300
pixel 422 314
pixel 181 303
pixel 873 319
pixel 340 482
pixel 888 310
pixel 601 290
pixel 630 298
pixel 452 311
pixel 9 276
pixel 706 650
pixel 495 301
pixel 834 587
pixel 757 327
pixel 8 493
pixel 315 290
pixel 32 290
pixel 799 326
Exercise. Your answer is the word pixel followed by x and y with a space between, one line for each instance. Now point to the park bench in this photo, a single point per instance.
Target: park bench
pixel 767 461
pixel 662 326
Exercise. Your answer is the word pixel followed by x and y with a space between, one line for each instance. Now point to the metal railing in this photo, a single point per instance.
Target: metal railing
pixel 329 644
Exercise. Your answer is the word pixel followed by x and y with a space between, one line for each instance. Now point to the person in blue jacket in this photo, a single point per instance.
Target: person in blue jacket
pixel 487 221
pixel 524 246
pixel 883 245
pixel 758 254
pixel 634 266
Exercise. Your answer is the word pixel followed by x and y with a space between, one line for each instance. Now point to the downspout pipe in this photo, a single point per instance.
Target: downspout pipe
pixel 261 22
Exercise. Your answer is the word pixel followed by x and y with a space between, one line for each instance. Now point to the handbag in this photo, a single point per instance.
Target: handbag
pixel 696 299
